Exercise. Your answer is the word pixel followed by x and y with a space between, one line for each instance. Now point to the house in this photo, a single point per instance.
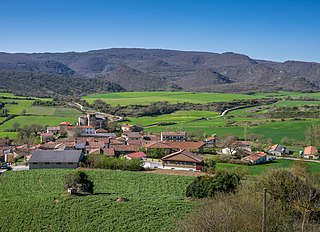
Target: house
pixel 310 152
pixel 186 145
pixel 124 149
pixel 53 129
pixel 256 158
pixel 131 135
pixel 109 152
pixel 278 150
pixel 211 141
pixel 92 119
pixel 55 159
pixel 137 155
pixel 173 136
pixel 46 137
pixel 5 142
pixel 183 160
pixel 130 128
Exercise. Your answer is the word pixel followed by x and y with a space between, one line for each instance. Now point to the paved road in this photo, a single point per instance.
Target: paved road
pixel 307 160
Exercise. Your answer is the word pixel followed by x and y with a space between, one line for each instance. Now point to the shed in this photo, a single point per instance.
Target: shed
pixel 55 159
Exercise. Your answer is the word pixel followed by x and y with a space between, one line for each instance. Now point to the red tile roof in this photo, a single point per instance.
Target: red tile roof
pixel 310 150
pixel 137 155
pixel 187 154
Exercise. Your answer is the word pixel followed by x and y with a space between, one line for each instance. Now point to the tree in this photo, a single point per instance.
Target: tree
pixel 208 186
pixel 312 135
pixel 230 143
pixel 23 112
pixel 15 126
pixel 79 181
pixel 210 165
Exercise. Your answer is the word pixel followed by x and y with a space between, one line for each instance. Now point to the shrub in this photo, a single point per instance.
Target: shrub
pixel 208 186
pixel 79 181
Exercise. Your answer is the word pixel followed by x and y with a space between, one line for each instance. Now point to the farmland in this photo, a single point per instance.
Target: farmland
pixel 257 170
pixel 144 98
pixel 50 115
pixel 34 201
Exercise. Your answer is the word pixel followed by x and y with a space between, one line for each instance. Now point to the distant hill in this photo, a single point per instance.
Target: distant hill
pixel 137 69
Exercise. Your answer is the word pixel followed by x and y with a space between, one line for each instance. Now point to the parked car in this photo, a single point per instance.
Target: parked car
pixel 5 166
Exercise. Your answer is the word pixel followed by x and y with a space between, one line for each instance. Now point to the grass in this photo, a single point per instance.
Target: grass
pixel 144 98
pixel 34 201
pixel 53 111
pixel 50 116
pixel 263 168
pixel 28 120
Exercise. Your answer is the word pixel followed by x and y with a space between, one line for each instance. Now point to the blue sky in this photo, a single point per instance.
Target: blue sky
pixel 263 29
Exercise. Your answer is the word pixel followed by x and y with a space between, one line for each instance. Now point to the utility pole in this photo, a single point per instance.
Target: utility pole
pixel 264 211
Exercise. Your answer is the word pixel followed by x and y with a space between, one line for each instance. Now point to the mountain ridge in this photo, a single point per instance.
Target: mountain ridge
pixel 137 69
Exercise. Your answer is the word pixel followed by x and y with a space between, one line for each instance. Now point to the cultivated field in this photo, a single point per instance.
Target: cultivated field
pixel 50 116
pixel 144 98
pixel 35 201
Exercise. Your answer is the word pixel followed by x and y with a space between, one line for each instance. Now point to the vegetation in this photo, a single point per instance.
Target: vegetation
pixel 208 186
pixel 293 204
pixel 48 85
pixel 79 181
pixel 104 162
pixel 36 202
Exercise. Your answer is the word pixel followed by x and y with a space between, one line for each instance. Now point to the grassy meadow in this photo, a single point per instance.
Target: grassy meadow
pixel 262 169
pixel 42 115
pixel 34 200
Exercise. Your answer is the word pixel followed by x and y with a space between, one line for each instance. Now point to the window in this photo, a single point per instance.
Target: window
pixel 35 163
pixel 58 163
pixel 46 163
pixel 70 163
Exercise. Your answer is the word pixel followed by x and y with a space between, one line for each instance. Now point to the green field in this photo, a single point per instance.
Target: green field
pixel 144 98
pixel 50 116
pixel 34 201
pixel 263 168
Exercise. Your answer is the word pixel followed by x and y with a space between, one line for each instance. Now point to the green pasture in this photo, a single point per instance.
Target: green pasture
pixel 53 111
pixel 293 103
pixel 186 121
pixel 10 135
pixel 144 98
pixel 17 108
pixel 35 200
pixel 28 120
pixel 262 169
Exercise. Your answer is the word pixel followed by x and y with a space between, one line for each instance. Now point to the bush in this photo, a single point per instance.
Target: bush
pixel 104 162
pixel 208 186
pixel 79 181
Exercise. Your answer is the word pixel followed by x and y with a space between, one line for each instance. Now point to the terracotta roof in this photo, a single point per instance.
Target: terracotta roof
pixel 255 156
pixel 124 147
pixel 157 145
pixel 137 155
pixel 65 123
pixel 127 125
pixel 109 151
pixel 46 134
pixel 102 131
pixel 310 150
pixel 187 154
pixel 185 145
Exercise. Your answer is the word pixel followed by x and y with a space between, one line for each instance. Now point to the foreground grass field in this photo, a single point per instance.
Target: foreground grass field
pixel 34 201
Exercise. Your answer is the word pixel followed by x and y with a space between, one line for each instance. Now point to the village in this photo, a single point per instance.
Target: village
pixel 67 145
